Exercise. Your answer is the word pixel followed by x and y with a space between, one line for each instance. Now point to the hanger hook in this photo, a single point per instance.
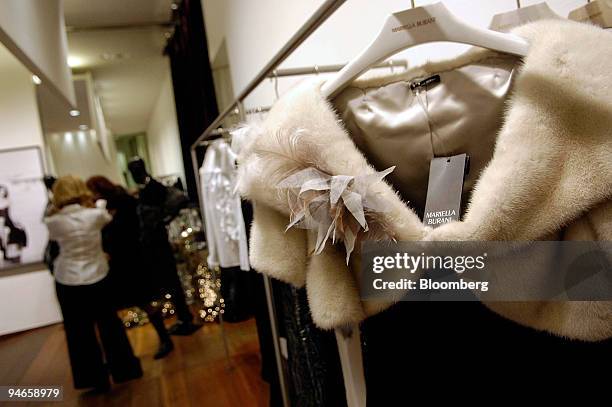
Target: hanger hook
pixel 275 80
pixel 316 68
pixel 241 111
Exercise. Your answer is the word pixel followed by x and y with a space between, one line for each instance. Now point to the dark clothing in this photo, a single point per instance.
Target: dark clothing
pixel 124 246
pixel 121 241
pixel 129 275
pixel 85 308
pixel 313 368
pixel 464 340
pixel 158 205
pixel 269 370
pixel 236 290
pixel 312 371
pixel 161 204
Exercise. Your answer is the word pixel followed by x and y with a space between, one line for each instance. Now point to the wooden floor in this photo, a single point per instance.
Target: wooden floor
pixel 194 374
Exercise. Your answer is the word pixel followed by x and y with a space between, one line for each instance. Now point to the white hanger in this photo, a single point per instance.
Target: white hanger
pixel 421 25
pixel 598 12
pixel 506 21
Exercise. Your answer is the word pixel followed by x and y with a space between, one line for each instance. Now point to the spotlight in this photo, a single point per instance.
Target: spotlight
pixel 74 62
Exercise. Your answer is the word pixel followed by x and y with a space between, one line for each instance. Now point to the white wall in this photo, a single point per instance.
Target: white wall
pixel 19 120
pixel 255 30
pixel 35 32
pixel 163 134
pixel 27 300
pixel 80 153
pixel 84 153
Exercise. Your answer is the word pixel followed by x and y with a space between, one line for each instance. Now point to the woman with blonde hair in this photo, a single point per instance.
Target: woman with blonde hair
pixel 82 290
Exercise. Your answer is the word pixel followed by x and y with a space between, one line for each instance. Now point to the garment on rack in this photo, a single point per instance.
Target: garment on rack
pixel 544 175
pixel 225 230
pixel 313 367
pixel 259 306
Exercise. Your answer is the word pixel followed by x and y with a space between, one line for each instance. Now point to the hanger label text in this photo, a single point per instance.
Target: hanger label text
pixel 414 24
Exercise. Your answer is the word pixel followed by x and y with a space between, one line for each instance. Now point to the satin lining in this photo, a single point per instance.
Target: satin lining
pixel 394 125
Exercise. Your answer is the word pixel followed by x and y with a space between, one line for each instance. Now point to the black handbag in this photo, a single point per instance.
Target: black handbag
pixel 51 252
pixel 174 202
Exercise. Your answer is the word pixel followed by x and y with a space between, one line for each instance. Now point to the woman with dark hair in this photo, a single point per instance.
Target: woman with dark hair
pixel 121 241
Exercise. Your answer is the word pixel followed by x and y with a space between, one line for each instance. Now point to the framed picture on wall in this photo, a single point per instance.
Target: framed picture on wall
pixel 23 199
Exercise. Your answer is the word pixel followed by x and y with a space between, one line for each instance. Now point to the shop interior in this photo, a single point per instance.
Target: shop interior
pixel 164 95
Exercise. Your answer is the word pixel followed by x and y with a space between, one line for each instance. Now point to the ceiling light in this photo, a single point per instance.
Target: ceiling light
pixel 83 127
pixel 36 80
pixel 75 113
pixel 74 62
pixel 107 56
pixel 68 138
pixel 174 6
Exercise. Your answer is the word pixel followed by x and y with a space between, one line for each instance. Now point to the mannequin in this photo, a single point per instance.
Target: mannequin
pixel 158 205
pixel 138 170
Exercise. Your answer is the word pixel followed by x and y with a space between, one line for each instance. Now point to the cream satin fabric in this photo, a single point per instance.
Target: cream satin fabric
pixel 394 125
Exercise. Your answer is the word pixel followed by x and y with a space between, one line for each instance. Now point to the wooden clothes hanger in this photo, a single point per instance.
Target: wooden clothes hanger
pixel 421 25
pixel 598 12
pixel 522 15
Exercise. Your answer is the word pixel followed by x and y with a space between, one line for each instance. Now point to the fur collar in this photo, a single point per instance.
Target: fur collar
pixel 551 164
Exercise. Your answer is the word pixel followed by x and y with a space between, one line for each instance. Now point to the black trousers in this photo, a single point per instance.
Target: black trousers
pixel 163 278
pixel 85 308
pixel 174 287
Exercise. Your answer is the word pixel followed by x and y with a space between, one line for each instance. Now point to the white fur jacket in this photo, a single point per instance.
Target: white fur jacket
pixel 551 168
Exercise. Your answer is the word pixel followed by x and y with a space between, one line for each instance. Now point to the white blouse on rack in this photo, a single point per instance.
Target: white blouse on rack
pixel 225 229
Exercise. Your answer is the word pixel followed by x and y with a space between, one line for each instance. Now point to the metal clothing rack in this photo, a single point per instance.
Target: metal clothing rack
pixel 310 70
pixel 317 69
pixel 348 345
pixel 317 18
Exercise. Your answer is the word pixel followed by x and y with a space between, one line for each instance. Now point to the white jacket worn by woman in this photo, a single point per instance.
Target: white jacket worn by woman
pixel 77 229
